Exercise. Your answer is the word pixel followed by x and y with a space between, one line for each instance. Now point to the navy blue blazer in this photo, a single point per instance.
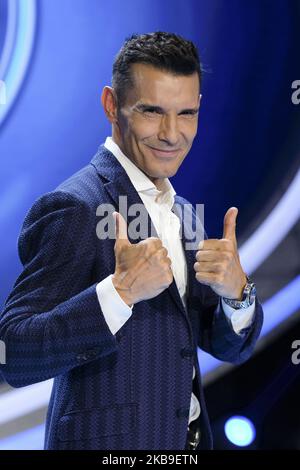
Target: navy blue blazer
pixel 131 390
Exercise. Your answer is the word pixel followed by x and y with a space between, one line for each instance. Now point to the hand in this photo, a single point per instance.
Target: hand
pixel 218 262
pixel 143 270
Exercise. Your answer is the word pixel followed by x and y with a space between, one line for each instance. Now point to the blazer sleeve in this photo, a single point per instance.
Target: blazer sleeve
pixel 216 335
pixel 52 320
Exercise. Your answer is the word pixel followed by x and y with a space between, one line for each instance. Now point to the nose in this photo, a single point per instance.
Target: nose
pixel 168 130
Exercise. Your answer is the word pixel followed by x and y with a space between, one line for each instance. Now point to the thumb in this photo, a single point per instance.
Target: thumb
pixel 120 228
pixel 230 224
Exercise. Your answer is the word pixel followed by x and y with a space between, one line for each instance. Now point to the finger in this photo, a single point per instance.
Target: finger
pixel 120 227
pixel 168 262
pixel 208 267
pixel 160 254
pixel 155 242
pixel 229 228
pixel 215 256
pixel 151 245
pixel 163 252
pixel 208 279
pixel 214 244
pixel 209 255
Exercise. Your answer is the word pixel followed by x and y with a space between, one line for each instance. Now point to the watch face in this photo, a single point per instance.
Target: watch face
pixel 252 294
pixel 249 291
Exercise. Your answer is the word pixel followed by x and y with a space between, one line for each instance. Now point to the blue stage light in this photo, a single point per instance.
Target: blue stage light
pixel 240 431
pixel 30 439
pixel 273 229
pixel 18 46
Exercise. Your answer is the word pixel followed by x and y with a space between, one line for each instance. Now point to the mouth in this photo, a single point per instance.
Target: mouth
pixel 164 153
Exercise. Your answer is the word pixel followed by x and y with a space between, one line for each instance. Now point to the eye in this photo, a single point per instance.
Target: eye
pixel 188 114
pixel 151 111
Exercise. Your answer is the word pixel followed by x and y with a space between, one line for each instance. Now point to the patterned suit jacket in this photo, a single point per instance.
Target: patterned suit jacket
pixel 131 390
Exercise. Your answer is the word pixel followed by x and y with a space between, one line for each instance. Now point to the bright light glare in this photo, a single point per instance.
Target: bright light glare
pixel 240 431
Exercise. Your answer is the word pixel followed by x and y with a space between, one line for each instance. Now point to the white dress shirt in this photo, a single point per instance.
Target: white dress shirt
pixel 158 204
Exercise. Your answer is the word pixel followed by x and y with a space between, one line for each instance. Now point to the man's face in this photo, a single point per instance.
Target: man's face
pixel 158 122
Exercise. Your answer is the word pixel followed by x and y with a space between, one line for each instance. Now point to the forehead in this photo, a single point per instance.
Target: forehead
pixel 152 85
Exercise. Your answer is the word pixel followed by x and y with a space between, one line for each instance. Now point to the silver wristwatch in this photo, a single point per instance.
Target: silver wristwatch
pixel 248 297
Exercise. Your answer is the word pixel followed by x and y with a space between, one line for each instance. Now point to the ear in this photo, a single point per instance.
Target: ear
pixel 109 103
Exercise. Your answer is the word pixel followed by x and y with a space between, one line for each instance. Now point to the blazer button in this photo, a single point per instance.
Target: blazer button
pixel 183 413
pixel 81 358
pixel 186 352
pixel 91 354
pixel 87 356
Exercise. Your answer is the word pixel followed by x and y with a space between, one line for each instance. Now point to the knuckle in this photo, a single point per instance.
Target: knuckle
pixel 220 267
pixel 119 249
pixel 143 247
pixel 150 247
pixel 229 260
pixel 226 244
pixel 164 251
pixel 227 256
pixel 166 265
pixel 155 241
pixel 168 261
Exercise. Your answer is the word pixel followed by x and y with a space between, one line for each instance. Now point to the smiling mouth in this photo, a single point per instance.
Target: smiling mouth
pixel 164 153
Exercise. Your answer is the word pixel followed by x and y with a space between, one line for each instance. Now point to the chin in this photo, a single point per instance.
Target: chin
pixel 163 174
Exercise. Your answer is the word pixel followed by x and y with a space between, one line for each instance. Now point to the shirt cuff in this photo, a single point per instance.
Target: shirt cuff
pixel 116 312
pixel 240 318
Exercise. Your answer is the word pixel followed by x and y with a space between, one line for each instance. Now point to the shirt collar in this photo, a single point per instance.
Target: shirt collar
pixel 140 181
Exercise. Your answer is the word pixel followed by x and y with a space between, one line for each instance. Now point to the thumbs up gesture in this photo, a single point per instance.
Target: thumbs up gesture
pixel 143 270
pixel 218 262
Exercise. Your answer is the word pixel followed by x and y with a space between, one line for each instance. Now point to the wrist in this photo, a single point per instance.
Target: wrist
pixel 123 292
pixel 241 291
pixel 248 296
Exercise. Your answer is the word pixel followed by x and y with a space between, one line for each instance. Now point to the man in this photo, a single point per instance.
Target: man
pixel 117 321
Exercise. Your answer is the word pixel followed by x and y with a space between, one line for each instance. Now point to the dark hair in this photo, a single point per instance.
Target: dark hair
pixel 165 51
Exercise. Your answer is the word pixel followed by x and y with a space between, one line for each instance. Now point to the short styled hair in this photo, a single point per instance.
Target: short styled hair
pixel 166 51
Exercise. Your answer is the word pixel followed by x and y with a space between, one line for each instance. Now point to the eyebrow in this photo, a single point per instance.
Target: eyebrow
pixel 159 109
